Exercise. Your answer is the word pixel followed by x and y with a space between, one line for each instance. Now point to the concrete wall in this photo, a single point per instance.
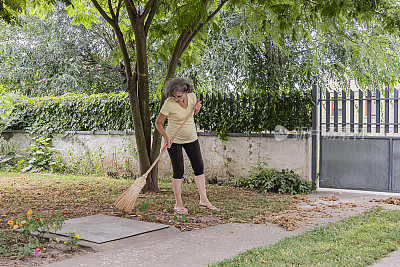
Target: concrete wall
pixel 116 152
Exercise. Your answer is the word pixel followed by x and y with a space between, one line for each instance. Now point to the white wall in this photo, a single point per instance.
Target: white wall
pixel 223 160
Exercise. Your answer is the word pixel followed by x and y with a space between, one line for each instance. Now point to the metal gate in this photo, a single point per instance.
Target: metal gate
pixel 356 140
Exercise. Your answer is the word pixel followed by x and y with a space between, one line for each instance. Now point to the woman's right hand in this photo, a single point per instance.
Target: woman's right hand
pixel 167 141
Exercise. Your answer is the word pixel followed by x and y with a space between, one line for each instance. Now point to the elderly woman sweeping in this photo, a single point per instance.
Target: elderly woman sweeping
pixel 180 103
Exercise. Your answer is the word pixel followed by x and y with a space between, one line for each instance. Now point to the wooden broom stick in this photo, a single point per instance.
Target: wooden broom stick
pixel 126 201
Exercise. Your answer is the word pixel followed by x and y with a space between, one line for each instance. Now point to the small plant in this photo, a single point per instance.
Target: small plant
pixel 40 157
pixel 73 239
pixel 27 241
pixel 144 207
pixel 272 180
pixel 29 224
pixel 183 217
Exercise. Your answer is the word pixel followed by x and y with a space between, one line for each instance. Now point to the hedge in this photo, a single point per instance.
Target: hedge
pixel 222 113
pixel 256 112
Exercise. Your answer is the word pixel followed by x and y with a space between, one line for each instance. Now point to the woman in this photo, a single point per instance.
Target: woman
pixel 180 103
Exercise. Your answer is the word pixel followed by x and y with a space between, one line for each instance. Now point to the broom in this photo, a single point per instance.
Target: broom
pixel 126 201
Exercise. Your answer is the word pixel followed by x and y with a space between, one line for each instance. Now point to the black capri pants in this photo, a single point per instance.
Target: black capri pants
pixel 193 151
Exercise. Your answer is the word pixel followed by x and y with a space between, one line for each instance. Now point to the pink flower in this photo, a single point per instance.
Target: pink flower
pixel 36 252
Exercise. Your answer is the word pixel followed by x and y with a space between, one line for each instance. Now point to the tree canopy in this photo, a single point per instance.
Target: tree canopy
pixel 53 57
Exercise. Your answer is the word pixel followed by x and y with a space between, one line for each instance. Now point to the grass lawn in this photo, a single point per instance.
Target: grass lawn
pixel 357 241
pixel 79 196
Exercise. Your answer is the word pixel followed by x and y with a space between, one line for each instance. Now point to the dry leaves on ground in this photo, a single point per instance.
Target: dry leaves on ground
pixel 390 200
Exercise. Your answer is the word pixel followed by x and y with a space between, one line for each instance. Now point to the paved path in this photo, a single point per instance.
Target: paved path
pixel 392 260
pixel 203 246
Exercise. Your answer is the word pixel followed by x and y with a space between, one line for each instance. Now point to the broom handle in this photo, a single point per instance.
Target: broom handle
pixel 165 146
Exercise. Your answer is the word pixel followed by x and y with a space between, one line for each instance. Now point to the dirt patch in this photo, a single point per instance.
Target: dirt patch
pixel 47 254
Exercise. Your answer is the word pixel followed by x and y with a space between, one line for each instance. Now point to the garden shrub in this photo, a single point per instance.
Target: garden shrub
pixel 272 180
pixel 40 157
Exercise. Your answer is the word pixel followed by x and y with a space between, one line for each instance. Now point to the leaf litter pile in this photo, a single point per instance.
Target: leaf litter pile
pixel 390 200
pixel 310 212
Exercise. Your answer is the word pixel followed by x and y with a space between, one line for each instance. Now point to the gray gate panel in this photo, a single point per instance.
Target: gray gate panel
pixel 396 165
pixel 355 164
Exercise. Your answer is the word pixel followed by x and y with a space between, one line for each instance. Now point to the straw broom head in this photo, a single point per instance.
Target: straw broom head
pixel 126 201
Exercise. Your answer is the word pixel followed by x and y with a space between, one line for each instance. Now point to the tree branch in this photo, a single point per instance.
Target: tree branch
pixel 103 13
pixel 124 51
pixel 150 17
pixel 118 9
pixel 180 42
pixel 191 29
pixel 131 11
pixel 130 6
pixel 147 8
pixel 111 10
pixel 201 25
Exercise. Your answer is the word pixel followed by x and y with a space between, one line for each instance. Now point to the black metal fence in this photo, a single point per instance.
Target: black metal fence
pixel 360 111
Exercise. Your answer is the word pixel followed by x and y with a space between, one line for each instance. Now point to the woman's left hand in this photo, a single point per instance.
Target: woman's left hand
pixel 197 106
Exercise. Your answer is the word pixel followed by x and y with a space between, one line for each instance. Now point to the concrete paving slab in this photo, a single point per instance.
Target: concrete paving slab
pixel 101 228
pixel 392 260
pixel 194 248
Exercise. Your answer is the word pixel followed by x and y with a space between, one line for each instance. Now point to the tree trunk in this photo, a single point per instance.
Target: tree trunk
pixel 155 150
pixel 144 158
pixel 143 96
pixel 143 80
pixel 137 84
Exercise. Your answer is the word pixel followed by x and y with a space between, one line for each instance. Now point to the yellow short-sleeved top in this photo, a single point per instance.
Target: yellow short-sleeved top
pixel 176 115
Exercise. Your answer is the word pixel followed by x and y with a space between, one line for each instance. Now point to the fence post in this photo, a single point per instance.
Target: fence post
pixel 314 139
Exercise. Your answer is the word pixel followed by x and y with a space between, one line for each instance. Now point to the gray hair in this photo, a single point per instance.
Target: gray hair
pixel 177 85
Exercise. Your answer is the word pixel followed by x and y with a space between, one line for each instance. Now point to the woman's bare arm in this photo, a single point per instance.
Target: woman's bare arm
pixel 197 106
pixel 159 126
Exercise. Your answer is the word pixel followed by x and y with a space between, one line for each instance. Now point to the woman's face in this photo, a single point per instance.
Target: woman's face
pixel 179 96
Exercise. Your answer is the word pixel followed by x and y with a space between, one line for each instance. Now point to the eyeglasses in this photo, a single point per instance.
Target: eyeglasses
pixel 180 97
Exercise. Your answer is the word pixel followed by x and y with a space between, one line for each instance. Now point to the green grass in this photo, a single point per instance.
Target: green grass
pixel 357 241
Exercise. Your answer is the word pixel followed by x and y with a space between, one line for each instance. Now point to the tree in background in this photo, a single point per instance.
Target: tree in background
pixel 228 60
pixel 11 10
pixel 53 57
